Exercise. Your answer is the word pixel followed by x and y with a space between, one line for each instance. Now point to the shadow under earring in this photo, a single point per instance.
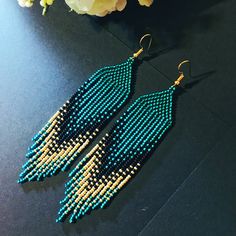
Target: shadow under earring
pixel 79 120
pixel 105 170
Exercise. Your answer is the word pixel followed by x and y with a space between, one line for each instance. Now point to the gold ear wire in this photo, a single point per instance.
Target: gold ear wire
pixel 136 54
pixel 181 76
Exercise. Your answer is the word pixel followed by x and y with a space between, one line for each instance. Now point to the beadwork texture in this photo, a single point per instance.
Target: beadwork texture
pixel 78 122
pixel 103 172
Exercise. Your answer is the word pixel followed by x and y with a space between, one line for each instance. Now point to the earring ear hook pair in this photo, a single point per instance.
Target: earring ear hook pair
pixel 136 54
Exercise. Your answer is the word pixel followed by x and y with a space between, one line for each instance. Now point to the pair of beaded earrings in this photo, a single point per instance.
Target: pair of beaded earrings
pixel 118 156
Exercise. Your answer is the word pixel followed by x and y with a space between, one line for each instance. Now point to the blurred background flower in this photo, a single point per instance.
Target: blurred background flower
pixel 90 7
pixel 96 7
pixel 25 3
pixel 146 3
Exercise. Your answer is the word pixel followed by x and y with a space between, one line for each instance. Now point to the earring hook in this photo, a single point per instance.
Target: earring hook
pixel 181 76
pixel 150 41
pixel 181 63
pixel 135 55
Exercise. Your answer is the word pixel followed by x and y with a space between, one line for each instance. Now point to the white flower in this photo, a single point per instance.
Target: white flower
pixel 96 7
pixel 26 3
pixel 45 3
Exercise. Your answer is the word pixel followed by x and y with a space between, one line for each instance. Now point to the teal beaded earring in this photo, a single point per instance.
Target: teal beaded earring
pixel 104 171
pixel 79 120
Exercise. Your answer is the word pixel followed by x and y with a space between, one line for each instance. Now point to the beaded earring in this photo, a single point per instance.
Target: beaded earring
pixel 104 171
pixel 79 120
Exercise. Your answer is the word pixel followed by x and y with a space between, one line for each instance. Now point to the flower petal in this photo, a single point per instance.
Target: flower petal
pixel 146 3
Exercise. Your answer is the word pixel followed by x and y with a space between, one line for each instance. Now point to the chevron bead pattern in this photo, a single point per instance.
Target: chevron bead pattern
pixel 110 165
pixel 78 122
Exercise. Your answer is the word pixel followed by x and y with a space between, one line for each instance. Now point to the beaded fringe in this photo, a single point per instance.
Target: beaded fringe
pixel 78 122
pixel 105 170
